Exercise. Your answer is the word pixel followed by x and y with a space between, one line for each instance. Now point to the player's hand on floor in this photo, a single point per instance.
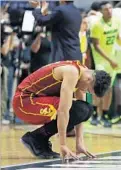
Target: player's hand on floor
pixel 81 149
pixel 66 153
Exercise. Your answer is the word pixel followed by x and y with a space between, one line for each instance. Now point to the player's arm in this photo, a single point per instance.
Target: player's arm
pixel 70 78
pixel 80 146
pixel 98 48
pixel 79 135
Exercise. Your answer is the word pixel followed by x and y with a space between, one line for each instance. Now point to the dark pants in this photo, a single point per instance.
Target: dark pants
pixel 80 112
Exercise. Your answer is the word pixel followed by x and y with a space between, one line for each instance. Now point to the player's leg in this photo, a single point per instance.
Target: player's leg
pixel 105 107
pixel 95 115
pixel 37 110
pixel 80 111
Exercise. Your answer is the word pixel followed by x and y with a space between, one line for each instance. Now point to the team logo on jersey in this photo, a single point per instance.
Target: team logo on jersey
pixel 49 111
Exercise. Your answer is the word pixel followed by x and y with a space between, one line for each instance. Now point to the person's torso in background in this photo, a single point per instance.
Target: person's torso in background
pixel 42 57
pixel 65 39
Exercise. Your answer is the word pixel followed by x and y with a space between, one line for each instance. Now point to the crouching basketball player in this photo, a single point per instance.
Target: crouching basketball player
pixel 46 97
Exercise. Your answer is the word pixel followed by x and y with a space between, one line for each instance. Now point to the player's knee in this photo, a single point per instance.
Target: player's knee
pixel 82 110
pixel 89 111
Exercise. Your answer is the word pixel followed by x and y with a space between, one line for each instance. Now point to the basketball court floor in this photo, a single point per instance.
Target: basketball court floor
pixel 103 161
pixel 103 142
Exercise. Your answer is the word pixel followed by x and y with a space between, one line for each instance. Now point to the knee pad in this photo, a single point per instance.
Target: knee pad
pixel 81 111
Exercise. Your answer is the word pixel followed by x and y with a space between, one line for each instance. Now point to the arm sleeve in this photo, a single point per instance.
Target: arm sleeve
pixel 52 18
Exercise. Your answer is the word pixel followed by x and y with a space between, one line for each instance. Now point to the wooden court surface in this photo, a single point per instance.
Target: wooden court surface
pixel 97 139
pixel 106 161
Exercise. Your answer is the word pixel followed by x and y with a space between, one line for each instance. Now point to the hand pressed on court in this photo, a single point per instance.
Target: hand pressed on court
pixel 67 153
pixel 82 149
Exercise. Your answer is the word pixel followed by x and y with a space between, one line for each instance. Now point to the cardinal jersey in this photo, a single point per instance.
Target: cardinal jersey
pixel 37 98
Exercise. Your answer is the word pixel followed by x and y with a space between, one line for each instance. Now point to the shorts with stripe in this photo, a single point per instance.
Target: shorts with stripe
pixel 35 110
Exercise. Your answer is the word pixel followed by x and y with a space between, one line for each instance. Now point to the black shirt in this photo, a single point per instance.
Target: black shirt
pixel 41 58
pixel 65 21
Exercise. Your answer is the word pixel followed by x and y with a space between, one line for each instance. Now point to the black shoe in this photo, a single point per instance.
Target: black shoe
pixel 49 150
pixel 38 149
pixel 106 122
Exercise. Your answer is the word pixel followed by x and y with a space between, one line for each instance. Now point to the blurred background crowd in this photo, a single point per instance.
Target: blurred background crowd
pixel 24 52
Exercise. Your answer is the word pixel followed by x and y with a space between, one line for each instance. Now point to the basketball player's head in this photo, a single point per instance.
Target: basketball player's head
pixel 94 81
pixel 102 81
pixel 106 9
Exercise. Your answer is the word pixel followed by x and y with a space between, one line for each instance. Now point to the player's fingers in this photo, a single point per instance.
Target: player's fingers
pixel 93 156
pixel 65 159
pixel 87 154
pixel 73 155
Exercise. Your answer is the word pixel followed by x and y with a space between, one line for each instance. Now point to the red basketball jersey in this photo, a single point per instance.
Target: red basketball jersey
pixel 42 81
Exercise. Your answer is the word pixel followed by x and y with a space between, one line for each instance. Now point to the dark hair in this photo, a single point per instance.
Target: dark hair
pixel 95 6
pixel 104 3
pixel 102 82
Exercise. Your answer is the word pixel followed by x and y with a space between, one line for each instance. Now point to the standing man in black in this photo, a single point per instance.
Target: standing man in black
pixel 65 20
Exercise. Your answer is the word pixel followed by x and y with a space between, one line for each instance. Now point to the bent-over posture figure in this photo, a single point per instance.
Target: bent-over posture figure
pixel 46 97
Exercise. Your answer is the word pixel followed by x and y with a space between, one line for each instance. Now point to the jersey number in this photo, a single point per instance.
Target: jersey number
pixel 110 40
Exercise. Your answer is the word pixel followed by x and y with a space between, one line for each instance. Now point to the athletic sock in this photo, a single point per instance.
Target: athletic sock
pixel 95 111
pixel 46 131
pixel 105 114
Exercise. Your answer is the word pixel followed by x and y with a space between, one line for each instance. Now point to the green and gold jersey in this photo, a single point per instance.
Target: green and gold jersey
pixel 106 33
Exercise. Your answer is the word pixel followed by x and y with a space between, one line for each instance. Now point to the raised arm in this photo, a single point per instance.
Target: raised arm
pixel 48 19
pixel 41 13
